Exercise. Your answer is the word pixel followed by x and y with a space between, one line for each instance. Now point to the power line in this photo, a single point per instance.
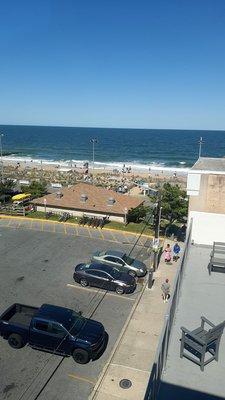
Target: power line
pixel 90 316
pixel 55 350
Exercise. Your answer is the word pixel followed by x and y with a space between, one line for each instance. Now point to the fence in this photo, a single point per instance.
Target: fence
pixel 162 351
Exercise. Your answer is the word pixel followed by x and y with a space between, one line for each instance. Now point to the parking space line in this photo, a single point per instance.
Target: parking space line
pixel 141 242
pixel 31 224
pixel 100 291
pixel 19 223
pixel 85 288
pixel 9 223
pixel 88 229
pixel 76 230
pixel 82 378
pixel 100 231
pixel 120 297
pixel 65 231
pixel 42 226
pixel 126 238
pixel 115 240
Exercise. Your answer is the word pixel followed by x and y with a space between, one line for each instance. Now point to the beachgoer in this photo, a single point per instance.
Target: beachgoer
pixel 176 251
pixel 167 253
pixel 165 290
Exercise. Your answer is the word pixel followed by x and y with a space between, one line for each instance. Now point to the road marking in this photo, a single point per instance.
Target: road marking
pixel 89 232
pixel 76 230
pixel 119 296
pixel 82 378
pixel 65 231
pixel 71 224
pixel 126 238
pixel 100 291
pixel 115 240
pixel 42 226
pixel 134 369
pixel 9 223
pixel 19 222
pixel 85 288
pixel 100 231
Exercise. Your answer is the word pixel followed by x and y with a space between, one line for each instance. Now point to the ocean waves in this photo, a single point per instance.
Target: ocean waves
pixel 98 165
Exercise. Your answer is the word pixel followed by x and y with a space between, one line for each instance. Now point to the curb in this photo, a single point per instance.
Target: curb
pixel 71 224
pixel 92 396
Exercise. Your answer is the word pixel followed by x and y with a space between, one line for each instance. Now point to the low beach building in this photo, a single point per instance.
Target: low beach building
pixel 206 190
pixel 86 199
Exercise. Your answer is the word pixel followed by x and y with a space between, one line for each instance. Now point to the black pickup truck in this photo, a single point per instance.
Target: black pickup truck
pixel 55 329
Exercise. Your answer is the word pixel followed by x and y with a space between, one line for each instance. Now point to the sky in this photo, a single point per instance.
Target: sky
pixel 113 63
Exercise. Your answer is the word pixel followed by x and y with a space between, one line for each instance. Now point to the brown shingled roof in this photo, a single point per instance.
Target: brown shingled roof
pixel 97 199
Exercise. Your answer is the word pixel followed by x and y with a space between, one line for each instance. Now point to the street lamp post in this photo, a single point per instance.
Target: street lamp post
pixel 45 203
pixel 159 221
pixel 93 141
pixel 125 215
pixel 200 147
pixel 1 136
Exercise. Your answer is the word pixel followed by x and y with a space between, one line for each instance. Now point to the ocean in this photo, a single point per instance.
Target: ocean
pixel 139 148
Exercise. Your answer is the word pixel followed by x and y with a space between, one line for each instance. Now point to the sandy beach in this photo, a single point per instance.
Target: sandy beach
pixel 67 175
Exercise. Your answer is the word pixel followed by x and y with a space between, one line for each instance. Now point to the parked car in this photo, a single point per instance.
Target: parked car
pixel 55 329
pixel 121 261
pixel 105 277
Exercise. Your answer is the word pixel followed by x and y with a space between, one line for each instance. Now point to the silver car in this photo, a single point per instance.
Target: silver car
pixel 121 261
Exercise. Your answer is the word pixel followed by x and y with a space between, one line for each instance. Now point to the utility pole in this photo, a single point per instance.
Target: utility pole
pixel 93 141
pixel 200 147
pixel 1 136
pixel 157 229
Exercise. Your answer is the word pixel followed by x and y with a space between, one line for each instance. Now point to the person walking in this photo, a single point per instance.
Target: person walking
pixel 167 253
pixel 165 291
pixel 176 252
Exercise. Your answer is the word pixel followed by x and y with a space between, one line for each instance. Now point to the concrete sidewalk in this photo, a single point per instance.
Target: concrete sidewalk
pixel 134 352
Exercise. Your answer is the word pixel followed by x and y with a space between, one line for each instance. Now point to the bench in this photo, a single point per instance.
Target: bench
pixel 217 258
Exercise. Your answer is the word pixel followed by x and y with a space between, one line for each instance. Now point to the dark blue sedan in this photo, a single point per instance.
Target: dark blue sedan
pixel 104 277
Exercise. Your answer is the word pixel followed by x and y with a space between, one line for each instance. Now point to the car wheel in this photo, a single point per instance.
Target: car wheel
pixel 81 356
pixel 132 273
pixel 84 282
pixel 119 290
pixel 15 341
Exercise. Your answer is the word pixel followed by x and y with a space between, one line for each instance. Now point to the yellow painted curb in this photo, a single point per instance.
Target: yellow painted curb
pixel 70 224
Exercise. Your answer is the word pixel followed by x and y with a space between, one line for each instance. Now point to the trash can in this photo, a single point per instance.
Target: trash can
pixel 150 278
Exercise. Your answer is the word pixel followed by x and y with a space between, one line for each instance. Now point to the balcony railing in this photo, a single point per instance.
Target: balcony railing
pixel 162 350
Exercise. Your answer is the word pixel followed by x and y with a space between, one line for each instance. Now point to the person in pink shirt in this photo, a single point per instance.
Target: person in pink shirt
pixel 167 253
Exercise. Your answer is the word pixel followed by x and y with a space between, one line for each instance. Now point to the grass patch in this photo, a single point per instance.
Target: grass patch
pixel 36 214
pixel 131 227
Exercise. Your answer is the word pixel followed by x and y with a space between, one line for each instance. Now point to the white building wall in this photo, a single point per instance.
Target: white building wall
pixel 78 213
pixel 207 227
pixel 193 184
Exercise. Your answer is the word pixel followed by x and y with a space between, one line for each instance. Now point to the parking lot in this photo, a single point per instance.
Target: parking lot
pixel 74 230
pixel 36 267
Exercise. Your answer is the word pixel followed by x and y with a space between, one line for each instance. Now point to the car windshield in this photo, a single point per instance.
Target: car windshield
pixel 84 266
pixel 115 273
pixel 128 260
pixel 76 323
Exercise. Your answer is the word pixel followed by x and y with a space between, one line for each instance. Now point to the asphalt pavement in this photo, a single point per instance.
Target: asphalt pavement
pixel 36 267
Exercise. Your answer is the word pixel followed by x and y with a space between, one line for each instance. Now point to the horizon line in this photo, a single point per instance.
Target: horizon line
pixel 110 127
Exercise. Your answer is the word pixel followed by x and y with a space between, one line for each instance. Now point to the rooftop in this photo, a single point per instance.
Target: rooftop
pixel 201 295
pixel 209 164
pixel 88 197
